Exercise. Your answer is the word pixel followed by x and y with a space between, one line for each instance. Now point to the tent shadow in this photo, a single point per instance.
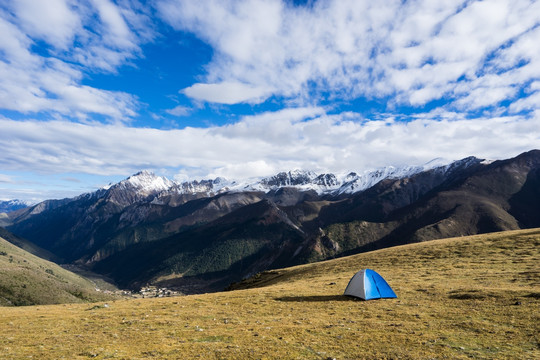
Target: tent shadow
pixel 316 298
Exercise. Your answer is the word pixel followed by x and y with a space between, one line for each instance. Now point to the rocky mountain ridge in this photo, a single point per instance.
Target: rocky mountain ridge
pixel 146 183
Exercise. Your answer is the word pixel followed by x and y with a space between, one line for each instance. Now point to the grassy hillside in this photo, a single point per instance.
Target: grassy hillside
pixel 28 280
pixel 470 297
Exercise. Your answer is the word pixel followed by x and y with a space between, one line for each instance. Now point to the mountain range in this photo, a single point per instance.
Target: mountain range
pixel 202 235
pixel 12 205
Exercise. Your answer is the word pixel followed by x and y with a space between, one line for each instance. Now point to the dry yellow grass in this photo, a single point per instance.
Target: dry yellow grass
pixel 474 297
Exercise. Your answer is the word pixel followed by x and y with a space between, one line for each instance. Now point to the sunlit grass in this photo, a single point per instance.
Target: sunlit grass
pixel 26 279
pixel 471 297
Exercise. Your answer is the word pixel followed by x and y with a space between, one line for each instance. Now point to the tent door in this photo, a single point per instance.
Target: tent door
pixel 376 286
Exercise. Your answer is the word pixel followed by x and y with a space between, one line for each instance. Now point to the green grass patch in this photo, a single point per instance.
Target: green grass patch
pixel 214 338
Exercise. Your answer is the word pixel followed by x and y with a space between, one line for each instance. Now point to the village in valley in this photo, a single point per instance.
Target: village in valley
pixel 145 292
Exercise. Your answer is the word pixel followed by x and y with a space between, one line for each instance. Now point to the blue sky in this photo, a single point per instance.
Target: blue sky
pixel 92 91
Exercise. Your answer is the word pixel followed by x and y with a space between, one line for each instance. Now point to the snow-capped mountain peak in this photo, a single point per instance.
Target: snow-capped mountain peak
pixel 137 187
pixel 12 205
pixel 354 182
pixel 145 181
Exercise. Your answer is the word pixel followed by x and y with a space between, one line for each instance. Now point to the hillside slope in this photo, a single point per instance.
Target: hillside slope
pixel 26 279
pixel 468 297
pixel 211 256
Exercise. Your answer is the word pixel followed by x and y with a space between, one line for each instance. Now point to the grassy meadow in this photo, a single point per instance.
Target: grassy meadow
pixel 470 297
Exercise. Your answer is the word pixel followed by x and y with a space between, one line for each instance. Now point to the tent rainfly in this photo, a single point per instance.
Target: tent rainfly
pixel 367 284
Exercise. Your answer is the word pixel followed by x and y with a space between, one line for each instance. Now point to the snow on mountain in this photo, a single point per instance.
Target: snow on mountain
pixel 466 162
pixel 345 183
pixel 141 186
pixel 146 184
pixel 326 183
pixel 297 178
pixel 208 187
pixel 291 178
pixel 354 182
pixel 12 205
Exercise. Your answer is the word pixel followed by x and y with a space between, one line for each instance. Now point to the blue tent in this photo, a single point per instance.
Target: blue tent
pixel 367 284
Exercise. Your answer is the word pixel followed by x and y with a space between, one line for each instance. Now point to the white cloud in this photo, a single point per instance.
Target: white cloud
pixel 115 29
pixel 6 179
pixel 480 97
pixel 51 80
pixel 53 20
pixel 530 102
pixel 241 171
pixel 402 52
pixel 227 93
pixel 260 145
pixel 415 51
pixel 52 86
pixel 179 111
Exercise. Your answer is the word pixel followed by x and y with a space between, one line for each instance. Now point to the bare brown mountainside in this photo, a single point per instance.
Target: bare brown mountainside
pixel 503 195
pixel 203 241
